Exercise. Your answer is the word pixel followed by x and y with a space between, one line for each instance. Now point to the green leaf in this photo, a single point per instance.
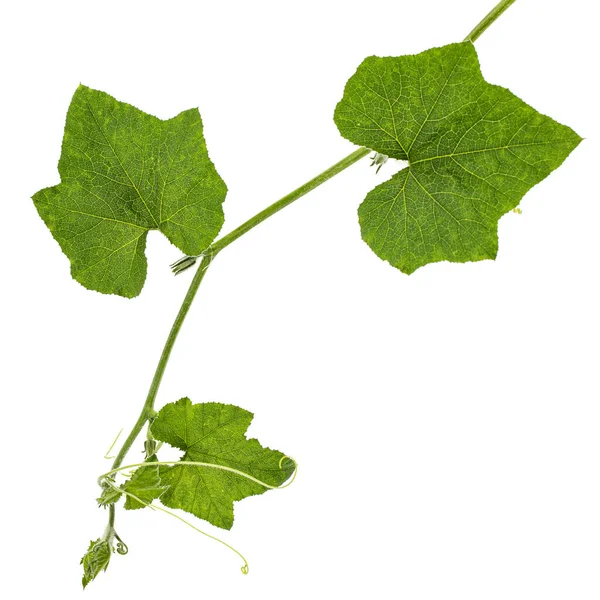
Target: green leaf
pixel 214 433
pixel 109 495
pixel 96 559
pixel 124 172
pixel 474 149
pixel 145 484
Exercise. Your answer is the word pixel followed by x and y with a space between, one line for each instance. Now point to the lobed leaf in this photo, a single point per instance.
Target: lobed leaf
pixel 474 149
pixel 124 172
pixel 214 433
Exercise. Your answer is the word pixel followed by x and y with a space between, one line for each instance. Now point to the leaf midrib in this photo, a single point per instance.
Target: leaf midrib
pixel 121 164
pixel 467 152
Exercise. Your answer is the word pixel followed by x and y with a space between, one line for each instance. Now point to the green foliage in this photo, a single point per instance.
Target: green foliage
pixel 145 484
pixel 215 434
pixel 96 559
pixel 109 495
pixel 474 149
pixel 124 172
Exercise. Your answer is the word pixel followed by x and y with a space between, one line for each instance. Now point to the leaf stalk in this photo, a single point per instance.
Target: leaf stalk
pixel 489 19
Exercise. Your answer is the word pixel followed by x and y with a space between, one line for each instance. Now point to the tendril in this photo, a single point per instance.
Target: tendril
pixel 122 548
pixel 121 545
pixel 107 481
pixel 104 478
pixel 106 456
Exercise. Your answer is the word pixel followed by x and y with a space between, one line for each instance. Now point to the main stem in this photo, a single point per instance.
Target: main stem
pixel 148 410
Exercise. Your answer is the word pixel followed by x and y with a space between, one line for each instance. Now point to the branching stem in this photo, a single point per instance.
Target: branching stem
pixel 148 411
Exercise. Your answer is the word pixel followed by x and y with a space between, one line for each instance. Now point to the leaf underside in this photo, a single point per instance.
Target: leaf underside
pixel 214 433
pixel 474 149
pixel 124 172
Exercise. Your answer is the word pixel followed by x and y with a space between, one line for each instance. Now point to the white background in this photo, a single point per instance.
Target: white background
pixel 446 424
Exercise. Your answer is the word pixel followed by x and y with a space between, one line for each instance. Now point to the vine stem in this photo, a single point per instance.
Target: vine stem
pixel 489 19
pixel 148 411
pixel 340 166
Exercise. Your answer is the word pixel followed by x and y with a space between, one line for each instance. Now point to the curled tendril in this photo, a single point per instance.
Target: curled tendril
pixel 291 479
pixel 121 545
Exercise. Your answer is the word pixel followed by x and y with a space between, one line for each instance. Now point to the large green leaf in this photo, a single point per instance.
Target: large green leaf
pixel 124 172
pixel 214 433
pixel 474 149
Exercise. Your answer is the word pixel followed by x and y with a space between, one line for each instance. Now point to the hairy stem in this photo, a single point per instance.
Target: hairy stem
pixel 148 408
pixel 291 197
pixel 489 19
